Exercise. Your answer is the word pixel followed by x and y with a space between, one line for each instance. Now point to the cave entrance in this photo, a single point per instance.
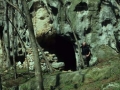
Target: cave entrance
pixel 62 46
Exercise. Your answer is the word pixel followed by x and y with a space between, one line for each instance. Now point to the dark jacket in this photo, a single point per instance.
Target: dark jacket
pixel 85 50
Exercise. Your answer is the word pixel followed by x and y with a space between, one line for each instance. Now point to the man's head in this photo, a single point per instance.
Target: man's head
pixel 84 43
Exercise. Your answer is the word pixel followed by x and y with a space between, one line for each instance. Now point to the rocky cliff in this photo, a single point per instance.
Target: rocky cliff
pixel 57 22
pixel 95 22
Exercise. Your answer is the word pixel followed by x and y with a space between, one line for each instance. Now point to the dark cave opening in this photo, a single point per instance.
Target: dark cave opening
pixel 1 32
pixel 62 46
pixel 82 6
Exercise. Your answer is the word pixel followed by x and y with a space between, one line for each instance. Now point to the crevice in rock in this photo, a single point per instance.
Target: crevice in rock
pixel 117 16
pixel 18 58
pixel 100 34
pixel 106 22
pixel 87 31
pixel 117 40
pixel 1 32
pixel 10 49
pixel 20 51
pixel 36 5
pixel 61 3
pixel 118 45
pixel 71 36
pixel 62 47
pixel 24 39
pixel 68 4
pixel 50 21
pixel 82 6
pixel 99 6
pixel 54 10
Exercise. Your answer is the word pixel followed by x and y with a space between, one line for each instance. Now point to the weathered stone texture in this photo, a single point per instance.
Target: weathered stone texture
pixel 95 22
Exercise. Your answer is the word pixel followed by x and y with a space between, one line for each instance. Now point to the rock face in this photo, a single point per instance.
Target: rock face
pixel 1 12
pixel 96 22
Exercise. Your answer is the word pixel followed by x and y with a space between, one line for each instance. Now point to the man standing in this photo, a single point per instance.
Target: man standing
pixel 86 53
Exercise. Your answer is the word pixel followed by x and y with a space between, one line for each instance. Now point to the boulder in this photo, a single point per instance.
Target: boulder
pixel 58 64
pixel 93 61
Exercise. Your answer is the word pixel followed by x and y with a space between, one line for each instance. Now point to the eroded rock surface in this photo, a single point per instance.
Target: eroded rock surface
pixel 95 21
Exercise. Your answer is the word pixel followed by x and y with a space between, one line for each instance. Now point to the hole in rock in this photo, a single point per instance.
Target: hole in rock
pixel 20 51
pixel 19 45
pixel 1 32
pixel 24 39
pixel 17 58
pixel 82 6
pixel 50 21
pixel 62 47
pixel 99 7
pixel 87 31
pixel 106 22
pixel 42 18
pixel 54 10
pixel 118 45
pixel 118 16
pixel 68 4
pixel 35 6
pixel 10 49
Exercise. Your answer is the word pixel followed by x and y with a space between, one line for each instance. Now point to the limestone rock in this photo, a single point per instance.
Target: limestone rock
pixel 93 61
pixel 58 64
pixel 112 85
pixel 19 65
pixel 41 22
